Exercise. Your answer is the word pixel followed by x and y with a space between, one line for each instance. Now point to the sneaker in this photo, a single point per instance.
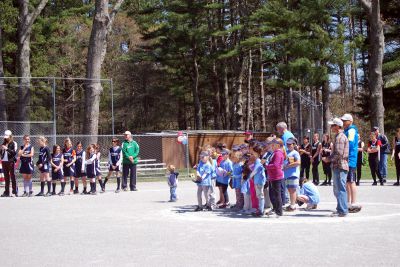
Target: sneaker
pixel 299 203
pixel 198 208
pixel 76 191
pixel 396 184
pixel 93 193
pixel 209 208
pixel 61 194
pixel 134 189
pixel 382 183
pixel 257 214
pixel 117 191
pixel 384 180
pixel 329 183
pixel 354 209
pixel 5 195
pixel 337 214
pixel 374 183
pixel 290 208
pixel 53 193
pixel 30 194
pixel 102 191
pixel 311 207
pixel 125 189
pixel 48 194
pixel 24 194
pixel 325 183
pixel 40 194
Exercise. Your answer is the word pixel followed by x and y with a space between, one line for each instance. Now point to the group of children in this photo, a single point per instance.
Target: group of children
pixel 259 172
pixel 66 164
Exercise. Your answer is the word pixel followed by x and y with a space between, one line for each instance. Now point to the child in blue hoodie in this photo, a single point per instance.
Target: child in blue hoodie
pixel 223 174
pixel 204 173
pixel 172 179
pixel 308 194
pixel 258 175
pixel 237 178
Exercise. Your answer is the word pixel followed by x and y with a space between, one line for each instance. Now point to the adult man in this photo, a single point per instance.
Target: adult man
pixel 248 136
pixel 340 166
pixel 8 152
pixel 130 151
pixel 385 150
pixel 351 132
pixel 281 127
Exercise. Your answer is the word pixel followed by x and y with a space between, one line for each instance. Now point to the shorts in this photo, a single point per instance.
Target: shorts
pixel 45 168
pixel 113 170
pixel 292 182
pixel 98 173
pixel 69 171
pixel 218 184
pixel 26 168
pixel 56 176
pixel 79 174
pixel 351 175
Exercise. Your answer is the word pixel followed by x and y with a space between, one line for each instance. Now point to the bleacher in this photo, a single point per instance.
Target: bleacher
pixel 144 168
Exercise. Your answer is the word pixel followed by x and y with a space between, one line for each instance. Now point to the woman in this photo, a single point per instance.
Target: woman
pixel 326 152
pixel 396 155
pixel 8 151
pixel 359 159
pixel 374 146
pixel 43 164
pixel 26 169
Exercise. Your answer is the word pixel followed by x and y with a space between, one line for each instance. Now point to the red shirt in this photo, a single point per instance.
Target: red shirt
pixel 375 144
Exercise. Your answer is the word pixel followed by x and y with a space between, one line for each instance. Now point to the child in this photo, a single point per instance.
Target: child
pixel 172 179
pixel 80 168
pixel 97 168
pixel 223 173
pixel 237 178
pixel 374 146
pixel 26 169
pixel 275 176
pixel 258 175
pixel 308 194
pixel 268 152
pixel 213 161
pixel 245 188
pixel 57 160
pixel 292 172
pixel 43 164
pixel 69 164
pixel 305 153
pixel 204 171
pixel 326 152
pixel 90 163
pixel 114 163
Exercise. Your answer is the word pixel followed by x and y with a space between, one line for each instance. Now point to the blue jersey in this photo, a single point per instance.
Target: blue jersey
pixel 259 173
pixel 56 158
pixel 80 161
pixel 223 171
pixel 237 175
pixel 352 134
pixel 205 172
pixel 44 156
pixel 27 151
pixel 115 156
pixel 68 154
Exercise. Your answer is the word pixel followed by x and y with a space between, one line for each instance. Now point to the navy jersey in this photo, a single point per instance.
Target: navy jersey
pixel 79 160
pixel 26 152
pixel 91 166
pixel 115 156
pixel 44 156
pixel 56 159
pixel 69 154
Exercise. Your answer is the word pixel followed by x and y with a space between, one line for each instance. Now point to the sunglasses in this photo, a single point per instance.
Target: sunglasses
pixel 114 141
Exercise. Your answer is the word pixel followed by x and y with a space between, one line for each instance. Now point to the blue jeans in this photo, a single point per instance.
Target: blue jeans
pixel 339 190
pixel 383 165
pixel 172 191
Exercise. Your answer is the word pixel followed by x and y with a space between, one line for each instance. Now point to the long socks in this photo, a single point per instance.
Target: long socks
pixel 54 188
pixel 26 186
pixel 118 183
pixel 63 186
pixel 105 181
pixel 261 203
pixel 30 186
pixel 72 182
pixel 101 184
pixel 42 184
pixel 48 186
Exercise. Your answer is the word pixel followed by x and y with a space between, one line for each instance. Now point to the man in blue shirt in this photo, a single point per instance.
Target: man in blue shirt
pixel 351 132
pixel 281 127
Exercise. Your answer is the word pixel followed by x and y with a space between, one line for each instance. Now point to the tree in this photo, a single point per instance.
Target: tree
pixel 375 60
pixel 101 28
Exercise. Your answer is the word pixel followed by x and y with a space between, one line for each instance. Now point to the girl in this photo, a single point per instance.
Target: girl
pixel 245 188
pixel 69 155
pixel 292 173
pixel 360 159
pixel 26 169
pixel 267 154
pixel 396 155
pixel 97 167
pixel 305 152
pixel 258 175
pixel 80 168
pixel 57 160
pixel 114 163
pixel 43 164
pixel 315 157
pixel 204 171
pixel 326 152
pixel 373 151
pixel 237 178
pixel 90 163
pixel 213 161
pixel 223 173
pixel 275 176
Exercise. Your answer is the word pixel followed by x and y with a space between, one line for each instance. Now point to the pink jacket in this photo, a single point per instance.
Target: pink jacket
pixel 274 168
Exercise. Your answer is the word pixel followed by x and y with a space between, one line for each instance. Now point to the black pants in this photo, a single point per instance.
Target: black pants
pixel 132 177
pixel 359 168
pixel 327 171
pixel 315 174
pixel 9 174
pixel 397 163
pixel 374 167
pixel 275 196
pixel 305 167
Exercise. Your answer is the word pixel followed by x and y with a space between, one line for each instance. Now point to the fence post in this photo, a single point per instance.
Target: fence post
pixel 112 106
pixel 54 111
pixel 187 155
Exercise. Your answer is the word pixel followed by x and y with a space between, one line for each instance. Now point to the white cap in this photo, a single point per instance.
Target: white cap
pixel 127 133
pixel 347 117
pixel 7 134
pixel 336 121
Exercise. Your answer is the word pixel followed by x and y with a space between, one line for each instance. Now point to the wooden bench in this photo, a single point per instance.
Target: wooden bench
pixel 144 168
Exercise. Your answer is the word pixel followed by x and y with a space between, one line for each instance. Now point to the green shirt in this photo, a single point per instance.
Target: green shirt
pixel 130 148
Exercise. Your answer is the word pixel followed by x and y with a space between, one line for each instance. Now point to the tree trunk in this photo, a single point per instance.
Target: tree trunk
pixel 238 110
pixel 198 117
pixel 262 95
pixel 3 110
pixel 325 102
pixel 25 25
pixel 376 50
pixel 227 118
pixel 353 67
pixel 249 93
pixel 102 23
pixel 217 98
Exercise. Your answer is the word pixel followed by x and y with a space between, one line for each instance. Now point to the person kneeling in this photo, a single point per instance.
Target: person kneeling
pixel 309 194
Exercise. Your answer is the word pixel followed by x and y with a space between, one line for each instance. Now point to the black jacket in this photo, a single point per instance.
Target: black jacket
pixel 11 151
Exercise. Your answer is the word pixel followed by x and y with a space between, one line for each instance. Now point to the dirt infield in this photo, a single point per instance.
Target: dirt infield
pixel 143 229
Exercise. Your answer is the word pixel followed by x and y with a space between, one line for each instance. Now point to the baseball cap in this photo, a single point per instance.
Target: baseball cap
pixel 291 141
pixel 235 148
pixel 225 152
pixel 248 132
pixel 7 134
pixel 336 121
pixel 347 117
pixel 127 133
pixel 375 128
pixel 204 154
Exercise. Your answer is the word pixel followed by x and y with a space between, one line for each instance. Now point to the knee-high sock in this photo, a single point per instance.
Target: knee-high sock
pixel 42 184
pixel 101 184
pixel 118 182
pixel 54 187
pixel 48 186
pixel 30 185
pixel 72 184
pixel 261 203
pixel 63 186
